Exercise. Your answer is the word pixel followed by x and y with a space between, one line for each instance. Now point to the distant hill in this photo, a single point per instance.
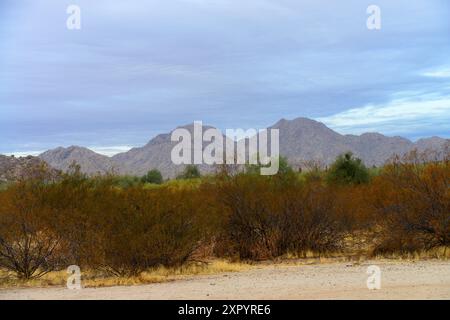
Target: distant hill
pixel 156 154
pixel 305 139
pixel 89 161
pixel 301 139
pixel 13 169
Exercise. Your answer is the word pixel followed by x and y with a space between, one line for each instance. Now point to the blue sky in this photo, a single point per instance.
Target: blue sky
pixel 139 67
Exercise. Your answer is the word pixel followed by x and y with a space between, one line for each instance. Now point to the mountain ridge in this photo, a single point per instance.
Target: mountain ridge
pixel 301 139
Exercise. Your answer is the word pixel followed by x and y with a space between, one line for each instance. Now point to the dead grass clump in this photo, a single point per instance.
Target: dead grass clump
pixel 95 278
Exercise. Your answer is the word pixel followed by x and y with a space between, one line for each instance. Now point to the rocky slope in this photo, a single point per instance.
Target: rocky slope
pixel 13 169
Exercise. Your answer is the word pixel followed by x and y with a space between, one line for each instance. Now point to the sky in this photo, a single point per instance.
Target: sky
pixel 138 68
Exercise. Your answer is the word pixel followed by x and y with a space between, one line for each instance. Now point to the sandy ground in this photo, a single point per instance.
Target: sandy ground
pixel 399 280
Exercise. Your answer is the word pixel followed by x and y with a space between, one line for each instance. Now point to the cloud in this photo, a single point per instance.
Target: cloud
pixel 439 73
pixel 24 153
pixel 141 67
pixel 403 116
pixel 111 150
pixel 107 151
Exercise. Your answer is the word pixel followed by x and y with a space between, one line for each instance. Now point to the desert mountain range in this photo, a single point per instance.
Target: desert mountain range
pixel 301 140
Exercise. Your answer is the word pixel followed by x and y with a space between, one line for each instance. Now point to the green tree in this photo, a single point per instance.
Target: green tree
pixel 283 167
pixel 348 170
pixel 153 176
pixel 190 172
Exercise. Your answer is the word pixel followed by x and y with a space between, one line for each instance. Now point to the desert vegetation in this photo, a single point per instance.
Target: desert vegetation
pixel 126 226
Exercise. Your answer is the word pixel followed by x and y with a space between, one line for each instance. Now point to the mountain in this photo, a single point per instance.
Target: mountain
pixel 13 169
pixel 374 148
pixel 301 139
pixel 433 143
pixel 304 139
pixel 89 161
pixel 156 154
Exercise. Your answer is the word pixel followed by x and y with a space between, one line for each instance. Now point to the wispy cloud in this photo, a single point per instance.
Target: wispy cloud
pixel 438 73
pixel 403 116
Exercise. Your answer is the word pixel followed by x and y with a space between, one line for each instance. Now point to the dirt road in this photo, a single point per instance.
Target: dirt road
pixel 399 280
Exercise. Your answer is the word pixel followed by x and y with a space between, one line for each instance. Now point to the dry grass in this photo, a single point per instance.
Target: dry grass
pixel 442 253
pixel 356 257
pixel 99 279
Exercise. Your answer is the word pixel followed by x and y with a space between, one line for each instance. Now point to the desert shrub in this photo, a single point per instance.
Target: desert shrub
pixel 149 228
pixel 348 170
pixel 153 176
pixel 411 207
pixel 127 230
pixel 311 221
pixel 267 217
pixel 247 230
pixel 29 245
pixel 190 172
pixel 4 185
pixel 126 181
pixel 77 201
pixel 283 167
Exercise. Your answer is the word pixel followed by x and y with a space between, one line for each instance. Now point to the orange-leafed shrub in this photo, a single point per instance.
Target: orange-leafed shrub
pixel 29 245
pixel 411 206
pixel 149 228
pixel 266 217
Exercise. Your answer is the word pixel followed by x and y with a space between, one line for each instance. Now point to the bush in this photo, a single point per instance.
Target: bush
pixel 283 167
pixel 411 204
pixel 267 217
pixel 149 228
pixel 125 231
pixel 29 245
pixel 80 203
pixel 153 176
pixel 190 172
pixel 126 181
pixel 348 170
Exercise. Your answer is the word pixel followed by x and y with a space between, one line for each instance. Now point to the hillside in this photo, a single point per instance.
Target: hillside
pixel 13 169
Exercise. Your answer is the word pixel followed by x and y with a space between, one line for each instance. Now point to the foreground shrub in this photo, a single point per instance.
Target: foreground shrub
pixel 411 207
pixel 80 203
pixel 29 246
pixel 267 217
pixel 150 228
pixel 93 223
